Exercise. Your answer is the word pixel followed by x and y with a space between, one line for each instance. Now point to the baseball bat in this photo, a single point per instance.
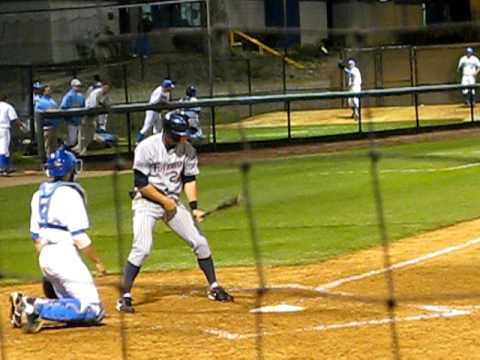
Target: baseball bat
pixel 226 204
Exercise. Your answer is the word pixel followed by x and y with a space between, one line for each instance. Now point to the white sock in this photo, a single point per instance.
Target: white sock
pixel 213 285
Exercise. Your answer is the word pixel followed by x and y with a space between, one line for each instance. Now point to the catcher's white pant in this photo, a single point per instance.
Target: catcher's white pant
pixel 152 119
pixel 5 141
pixel 63 267
pixel 146 214
pixel 354 102
pixel 468 80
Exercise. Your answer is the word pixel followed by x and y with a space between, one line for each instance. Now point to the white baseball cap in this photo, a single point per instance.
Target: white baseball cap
pixel 75 82
pixel 351 62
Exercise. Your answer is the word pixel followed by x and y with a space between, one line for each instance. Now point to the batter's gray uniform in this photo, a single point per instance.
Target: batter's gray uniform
pixel 165 169
pixel 164 165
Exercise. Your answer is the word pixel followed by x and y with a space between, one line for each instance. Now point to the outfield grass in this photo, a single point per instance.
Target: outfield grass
pixel 226 135
pixel 307 208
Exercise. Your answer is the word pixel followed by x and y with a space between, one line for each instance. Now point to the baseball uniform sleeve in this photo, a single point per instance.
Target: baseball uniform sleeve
pixel 191 166
pixel 156 96
pixel 12 114
pixel 142 159
pixel 34 218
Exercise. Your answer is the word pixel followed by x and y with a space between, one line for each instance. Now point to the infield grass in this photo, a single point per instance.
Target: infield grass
pixel 307 208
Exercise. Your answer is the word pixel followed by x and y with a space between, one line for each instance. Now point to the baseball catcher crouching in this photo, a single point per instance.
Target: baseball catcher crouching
pixel 58 226
pixel 164 164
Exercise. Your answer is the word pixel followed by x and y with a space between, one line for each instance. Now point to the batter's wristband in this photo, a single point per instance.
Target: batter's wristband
pixel 193 205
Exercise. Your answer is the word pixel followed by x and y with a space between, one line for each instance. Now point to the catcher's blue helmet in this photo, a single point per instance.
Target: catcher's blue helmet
pixel 177 126
pixel 469 51
pixel 61 163
pixel 191 91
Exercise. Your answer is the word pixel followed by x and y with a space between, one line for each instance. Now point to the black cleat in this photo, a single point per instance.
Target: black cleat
pixel 124 304
pixel 219 294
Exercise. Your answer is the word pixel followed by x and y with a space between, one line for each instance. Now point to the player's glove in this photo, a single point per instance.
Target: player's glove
pixel 341 65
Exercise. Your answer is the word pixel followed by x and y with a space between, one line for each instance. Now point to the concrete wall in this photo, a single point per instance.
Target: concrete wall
pixel 50 37
pixel 24 37
pixel 73 31
pixel 246 14
pixel 374 19
pixel 313 21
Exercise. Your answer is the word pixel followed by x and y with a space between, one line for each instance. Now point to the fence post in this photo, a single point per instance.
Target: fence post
pixel 289 121
pixel 214 128
pixel 127 100
pixel 284 76
pixel 31 105
pixel 249 75
pixel 169 72
pixel 40 140
pixel 472 104
pixel 360 115
pixel 142 68
pixel 413 82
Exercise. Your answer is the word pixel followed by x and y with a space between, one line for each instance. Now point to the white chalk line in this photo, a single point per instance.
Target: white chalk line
pixel 448 313
pixel 437 311
pixel 401 171
pixel 402 264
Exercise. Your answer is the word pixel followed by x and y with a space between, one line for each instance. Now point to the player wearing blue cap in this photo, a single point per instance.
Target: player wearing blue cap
pixel 161 94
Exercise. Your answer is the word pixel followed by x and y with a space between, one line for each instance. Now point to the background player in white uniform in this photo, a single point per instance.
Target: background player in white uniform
pixel 99 97
pixel 193 114
pixel 164 164
pixel 7 116
pixel 354 83
pixel 58 227
pixel 161 94
pixel 468 65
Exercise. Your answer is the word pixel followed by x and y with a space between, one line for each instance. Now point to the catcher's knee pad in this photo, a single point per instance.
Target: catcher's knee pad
pixel 201 248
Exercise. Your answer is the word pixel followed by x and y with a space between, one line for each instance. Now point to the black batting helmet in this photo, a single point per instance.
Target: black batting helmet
pixel 191 91
pixel 176 125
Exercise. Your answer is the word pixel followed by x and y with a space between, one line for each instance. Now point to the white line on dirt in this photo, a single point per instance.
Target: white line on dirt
pixel 415 261
pixel 448 313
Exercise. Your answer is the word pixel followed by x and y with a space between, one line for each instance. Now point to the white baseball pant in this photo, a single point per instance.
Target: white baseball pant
pixel 63 267
pixel 152 119
pixel 468 80
pixel 146 214
pixel 5 142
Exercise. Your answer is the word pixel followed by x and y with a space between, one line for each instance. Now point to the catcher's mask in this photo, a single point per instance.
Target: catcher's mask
pixel 62 163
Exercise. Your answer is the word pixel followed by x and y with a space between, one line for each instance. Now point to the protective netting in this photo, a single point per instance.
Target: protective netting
pixel 172 318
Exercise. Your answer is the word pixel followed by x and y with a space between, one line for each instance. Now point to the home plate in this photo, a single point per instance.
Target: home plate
pixel 282 308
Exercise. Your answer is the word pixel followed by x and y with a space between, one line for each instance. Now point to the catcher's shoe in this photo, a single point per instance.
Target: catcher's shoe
pixel 32 322
pixel 219 294
pixel 16 309
pixel 124 304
